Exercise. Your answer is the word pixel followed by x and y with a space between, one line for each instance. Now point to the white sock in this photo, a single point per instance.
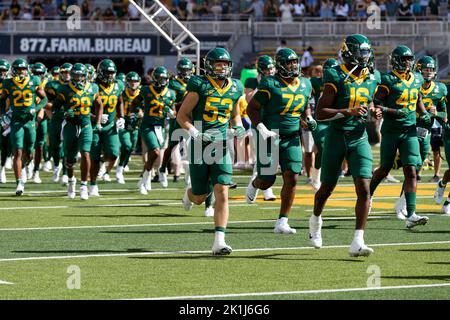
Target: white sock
pixel 146 175
pixel 315 218
pixel 359 236
pixel 219 237
pixel 283 220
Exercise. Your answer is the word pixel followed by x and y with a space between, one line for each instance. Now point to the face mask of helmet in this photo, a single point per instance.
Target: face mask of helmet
pixel 222 69
pixel 3 73
pixel 65 76
pixel 406 63
pixel 21 73
pixel 79 79
pixel 185 73
pixel 270 71
pixel 428 73
pixel 133 84
pixel 290 70
pixel 160 81
pixel 109 77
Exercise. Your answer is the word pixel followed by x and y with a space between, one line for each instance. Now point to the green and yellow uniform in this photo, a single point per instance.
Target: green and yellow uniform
pixel 447 127
pixel 322 126
pixel 154 104
pixel 213 111
pixel 178 86
pixel 5 139
pixel 129 135
pixel 347 137
pixel 77 131
pixel 435 96
pixel 400 133
pixel 54 128
pixel 41 131
pixel 107 139
pixel 281 107
pixel 22 98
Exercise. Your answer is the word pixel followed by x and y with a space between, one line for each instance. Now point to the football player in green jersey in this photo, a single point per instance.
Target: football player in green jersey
pixel 266 68
pixel 439 194
pixel 278 105
pixel 92 74
pixel 55 73
pixel 40 70
pixel 56 119
pixel 210 105
pixel 22 91
pixel 320 132
pixel 156 101
pixel 129 135
pixel 107 139
pixel 5 120
pixel 399 97
pixel 345 102
pixel 121 77
pixel 185 69
pixel 77 99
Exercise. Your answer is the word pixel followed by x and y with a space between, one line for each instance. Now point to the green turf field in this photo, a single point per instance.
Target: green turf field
pixel 128 246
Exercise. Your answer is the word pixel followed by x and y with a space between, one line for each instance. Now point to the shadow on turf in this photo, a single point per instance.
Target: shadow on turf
pixel 137 250
pixel 426 250
pixel 436 277
pixel 296 227
pixel 160 231
pixel 437 262
pixel 156 215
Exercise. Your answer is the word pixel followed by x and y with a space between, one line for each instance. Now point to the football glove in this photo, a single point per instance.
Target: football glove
pixel 120 123
pixel 425 118
pixel 97 128
pixel 170 113
pixel 264 132
pixel 239 131
pixel 69 114
pixel 402 113
pixel 311 123
pixel 104 119
pixel 200 136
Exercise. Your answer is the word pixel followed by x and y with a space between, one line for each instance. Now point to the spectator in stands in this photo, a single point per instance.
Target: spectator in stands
pixel 6 15
pixel 181 9
pixel 15 9
pixel 391 9
pixel 202 7
pixel 342 10
pixel 448 18
pixel 299 8
pixel 311 6
pixel 307 61
pixel 286 9
pixel 226 6
pixel 85 9
pixel 119 8
pixel 383 9
pixel 49 9
pixel 404 11
pixel 191 9
pixel 62 9
pixel 415 7
pixel 361 10
pixel 216 9
pixel 434 8
pixel 282 45
pixel 257 8
pixel 423 7
pixel 26 14
pixel 96 14
pixel 133 13
pixel 108 15
pixel 37 10
pixel 271 11
pixel 326 10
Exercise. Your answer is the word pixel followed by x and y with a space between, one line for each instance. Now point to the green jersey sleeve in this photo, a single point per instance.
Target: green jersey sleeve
pixel 331 77
pixel 251 83
pixel 264 93
pixel 194 85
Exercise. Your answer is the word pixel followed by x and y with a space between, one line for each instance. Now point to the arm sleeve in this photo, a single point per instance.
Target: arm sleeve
pixel 264 92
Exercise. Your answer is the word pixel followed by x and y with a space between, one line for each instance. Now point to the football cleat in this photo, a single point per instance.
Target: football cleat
pixel 36 178
pixel 439 193
pixel 8 163
pixel 102 170
pixel 84 194
pixel 3 175
pixel 221 249
pixel 315 231
pixel 283 228
pixel 415 220
pixel 209 212
pixel 106 177
pixel 71 188
pixel 30 168
pixel 359 250
pixel 65 180
pixel 126 168
pixel 56 173
pixel 268 195
pixel 186 202
pixel 390 178
pixel 400 207
pixel 143 190
pixel 252 193
pixel 163 179
pixel 20 189
pixel 23 175
pixel 119 175
pixel 47 167
pixel 93 191
pixel 446 209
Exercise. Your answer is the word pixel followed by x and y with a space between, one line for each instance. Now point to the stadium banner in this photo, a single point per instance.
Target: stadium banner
pixel 110 45
pixel 5 44
pixel 84 45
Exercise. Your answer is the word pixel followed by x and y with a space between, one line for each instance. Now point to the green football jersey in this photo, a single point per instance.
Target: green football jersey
pixel 435 96
pixel 2 102
pixel 81 101
pixel 251 83
pixel 22 97
pixel 154 104
pixel 42 103
pixel 51 89
pixel 128 98
pixel 317 86
pixel 351 92
pixel 403 92
pixel 215 104
pixel 283 103
pixel 179 87
pixel 110 98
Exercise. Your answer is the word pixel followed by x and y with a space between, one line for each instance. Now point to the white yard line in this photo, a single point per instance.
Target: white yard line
pixel 128 254
pixel 259 294
pixel 5 282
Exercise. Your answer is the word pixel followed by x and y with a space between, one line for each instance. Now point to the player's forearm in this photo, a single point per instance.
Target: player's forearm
pixel 253 114
pixel 386 110
pixel 325 114
pixel 185 121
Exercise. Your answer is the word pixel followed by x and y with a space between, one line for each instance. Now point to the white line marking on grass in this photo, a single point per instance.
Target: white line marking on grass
pixel 171 224
pixel 5 282
pixel 258 294
pixel 128 254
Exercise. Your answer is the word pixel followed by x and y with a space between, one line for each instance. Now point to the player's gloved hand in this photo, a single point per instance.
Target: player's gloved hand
pixel 69 114
pixel 104 119
pixel 239 131
pixel 200 136
pixel 425 118
pixel 311 123
pixel 120 123
pixel 97 128
pixel 402 113
pixel 32 111
pixel 170 112
pixel 265 133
